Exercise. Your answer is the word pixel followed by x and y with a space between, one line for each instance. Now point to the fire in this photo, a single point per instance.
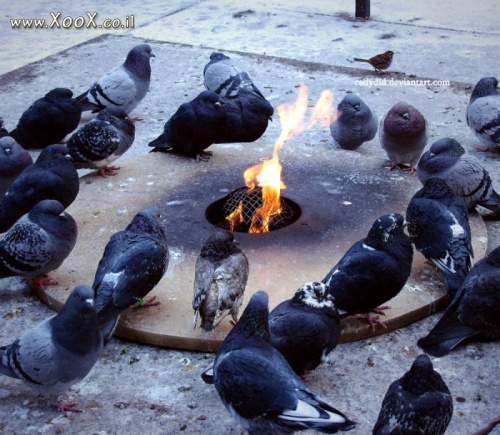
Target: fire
pixel 267 175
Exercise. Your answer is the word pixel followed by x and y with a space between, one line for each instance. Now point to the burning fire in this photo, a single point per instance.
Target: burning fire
pixel 268 174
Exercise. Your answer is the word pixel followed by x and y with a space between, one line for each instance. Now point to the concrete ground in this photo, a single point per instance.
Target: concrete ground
pixel 139 388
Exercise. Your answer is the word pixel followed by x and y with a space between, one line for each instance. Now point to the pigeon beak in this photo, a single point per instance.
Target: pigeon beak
pixel 69 157
pixel 89 302
pixel 152 55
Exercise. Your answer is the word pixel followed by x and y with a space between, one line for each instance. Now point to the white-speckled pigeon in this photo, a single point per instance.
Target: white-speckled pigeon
pixel 133 263
pixel 483 113
pixel 221 274
pixel 195 126
pixel 260 389
pixel 462 171
pixel 356 123
pixel 13 160
pixel 58 352
pixel 226 77
pixel 123 87
pixel 373 270
pixel 38 242
pixel 306 328
pixel 417 403
pixel 52 176
pixel 438 224
pixel 48 120
pixel 475 311
pixel 403 135
pixel 247 117
pixel 100 142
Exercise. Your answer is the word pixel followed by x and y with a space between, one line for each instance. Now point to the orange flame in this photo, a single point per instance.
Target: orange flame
pixel 268 174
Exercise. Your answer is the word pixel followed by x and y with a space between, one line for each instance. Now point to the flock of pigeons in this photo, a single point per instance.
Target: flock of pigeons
pixel 259 368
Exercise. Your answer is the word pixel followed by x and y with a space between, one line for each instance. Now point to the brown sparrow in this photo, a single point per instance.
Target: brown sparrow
pixel 380 61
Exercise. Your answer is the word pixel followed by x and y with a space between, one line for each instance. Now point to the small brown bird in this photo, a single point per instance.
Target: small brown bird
pixel 380 61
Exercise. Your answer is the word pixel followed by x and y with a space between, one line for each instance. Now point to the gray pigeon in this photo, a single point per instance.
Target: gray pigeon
pixel 438 224
pixel 483 113
pixel 259 388
pixel 100 142
pixel 123 87
pixel 133 263
pixel 306 328
pixel 221 274
pixel 417 403
pixel 13 160
pixel 48 120
pixel 38 242
pixel 58 352
pixel 355 124
pixel 3 130
pixel 473 313
pixel 195 126
pixel 463 172
pixel 226 77
pixel 403 135
pixel 52 176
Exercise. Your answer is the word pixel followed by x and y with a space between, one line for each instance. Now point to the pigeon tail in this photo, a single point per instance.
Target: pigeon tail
pixel 107 321
pixel 160 143
pixel 454 281
pixel 85 103
pixel 446 334
pixel 492 203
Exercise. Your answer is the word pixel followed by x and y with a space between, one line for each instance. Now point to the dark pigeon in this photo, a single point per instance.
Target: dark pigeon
pixel 259 388
pixel 417 403
pixel 462 171
pixel 195 126
pixel 221 274
pixel 356 123
pixel 58 352
pixel 48 120
pixel 403 135
pixel 247 117
pixel 474 313
pixel 133 263
pixel 373 270
pixel 483 113
pixel 52 176
pixel 226 77
pixel 103 140
pixel 124 87
pixel 438 224
pixel 306 328
pixel 13 160
pixel 38 242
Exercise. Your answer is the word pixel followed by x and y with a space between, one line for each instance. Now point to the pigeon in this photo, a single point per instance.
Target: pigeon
pixel 355 125
pixel 373 270
pixel 483 113
pixel 417 403
pixel 38 242
pixel 133 263
pixel 52 176
pixel 195 126
pixel 226 77
pixel 260 389
pixel 48 120
pixel 3 130
pixel 462 171
pixel 58 352
pixel 380 61
pixel 247 117
pixel 13 160
pixel 221 274
pixel 306 328
pixel 124 87
pixel 473 313
pixel 403 135
pixel 101 141
pixel 438 224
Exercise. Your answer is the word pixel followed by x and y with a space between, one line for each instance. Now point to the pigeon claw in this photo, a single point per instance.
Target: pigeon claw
pixel 151 302
pixel 44 280
pixel 108 171
pixel 375 320
pixel 204 156
pixel 66 407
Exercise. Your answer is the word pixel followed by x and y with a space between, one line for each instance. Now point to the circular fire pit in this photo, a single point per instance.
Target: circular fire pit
pixel 245 202
pixel 335 205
